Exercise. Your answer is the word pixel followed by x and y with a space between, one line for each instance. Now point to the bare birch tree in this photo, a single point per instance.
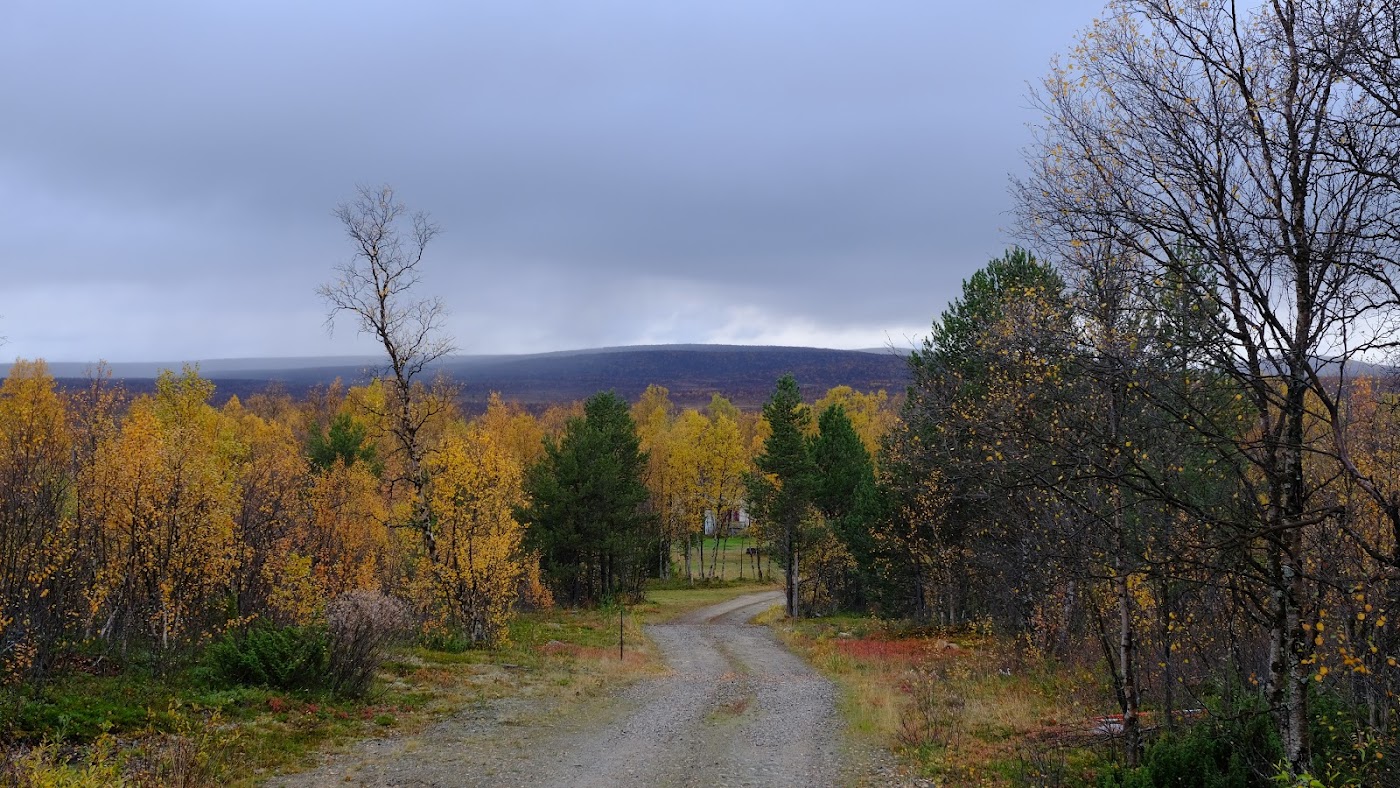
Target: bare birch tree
pixel 376 287
pixel 1225 132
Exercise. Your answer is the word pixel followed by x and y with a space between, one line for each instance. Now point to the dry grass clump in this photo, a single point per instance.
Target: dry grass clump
pixel 162 760
pixel 362 626
pixel 968 708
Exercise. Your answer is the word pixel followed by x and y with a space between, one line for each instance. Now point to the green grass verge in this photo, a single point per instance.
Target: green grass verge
pixel 733 562
pixel 83 728
pixel 665 601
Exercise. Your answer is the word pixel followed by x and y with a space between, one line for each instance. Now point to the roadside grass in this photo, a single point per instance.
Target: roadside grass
pixel 962 708
pixel 90 727
pixel 142 729
pixel 665 601
pixel 733 564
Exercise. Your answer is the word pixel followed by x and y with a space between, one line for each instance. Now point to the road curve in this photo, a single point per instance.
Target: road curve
pixel 736 709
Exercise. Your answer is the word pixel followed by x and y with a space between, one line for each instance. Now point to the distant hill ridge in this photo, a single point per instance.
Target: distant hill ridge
pixel 743 373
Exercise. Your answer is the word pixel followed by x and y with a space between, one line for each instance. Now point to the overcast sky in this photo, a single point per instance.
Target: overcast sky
pixel 605 173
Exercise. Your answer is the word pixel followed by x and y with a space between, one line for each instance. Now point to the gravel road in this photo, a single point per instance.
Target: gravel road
pixel 737 709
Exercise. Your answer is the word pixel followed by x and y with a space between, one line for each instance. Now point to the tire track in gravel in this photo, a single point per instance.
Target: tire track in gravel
pixel 736 709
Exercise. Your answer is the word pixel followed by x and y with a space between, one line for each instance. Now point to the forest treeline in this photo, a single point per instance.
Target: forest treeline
pixel 141 528
pixel 1170 420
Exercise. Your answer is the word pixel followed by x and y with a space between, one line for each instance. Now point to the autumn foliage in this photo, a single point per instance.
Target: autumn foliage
pixel 145 527
pixel 1069 471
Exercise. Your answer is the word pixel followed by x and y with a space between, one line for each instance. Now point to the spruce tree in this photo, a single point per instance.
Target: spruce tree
pixel 781 494
pixel 844 492
pixel 586 515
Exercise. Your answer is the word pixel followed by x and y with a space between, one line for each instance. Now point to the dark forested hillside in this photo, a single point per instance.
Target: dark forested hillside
pixel 744 374
pixel 692 373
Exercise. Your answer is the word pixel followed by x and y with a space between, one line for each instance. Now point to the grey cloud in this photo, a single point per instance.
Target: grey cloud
pixel 605 172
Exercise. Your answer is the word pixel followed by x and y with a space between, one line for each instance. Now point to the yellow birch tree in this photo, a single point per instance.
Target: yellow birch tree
pixel 472 582
pixel 168 515
pixel 35 545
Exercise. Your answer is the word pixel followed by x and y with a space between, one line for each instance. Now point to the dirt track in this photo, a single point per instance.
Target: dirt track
pixel 737 709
